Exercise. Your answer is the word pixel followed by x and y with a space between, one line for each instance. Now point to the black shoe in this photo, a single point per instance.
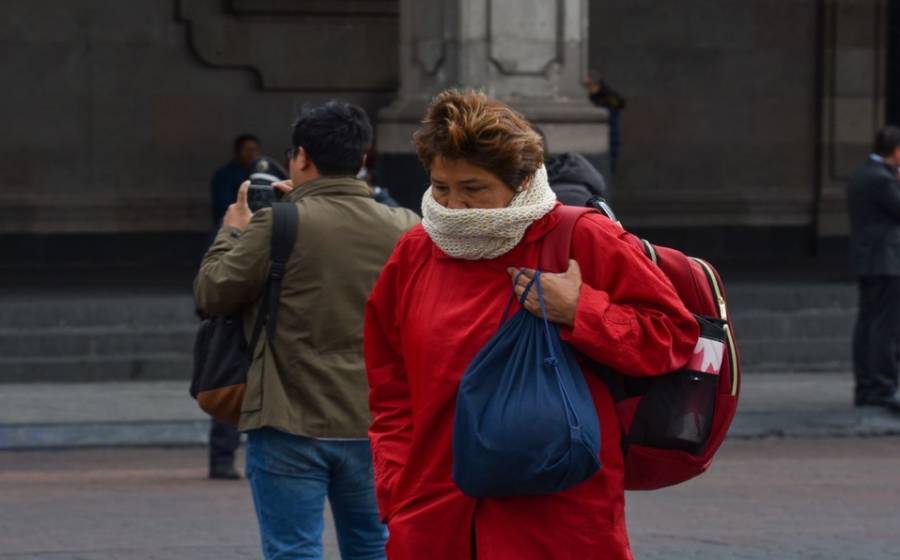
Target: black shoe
pixel 890 403
pixel 224 472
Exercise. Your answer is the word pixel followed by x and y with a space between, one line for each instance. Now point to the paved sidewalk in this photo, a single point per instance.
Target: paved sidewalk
pixel 50 415
pixel 806 405
pixel 763 499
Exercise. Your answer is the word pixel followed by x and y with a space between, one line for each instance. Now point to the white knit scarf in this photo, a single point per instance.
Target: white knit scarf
pixel 487 233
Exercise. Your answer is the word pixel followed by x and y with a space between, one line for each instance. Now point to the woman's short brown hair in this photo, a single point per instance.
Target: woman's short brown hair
pixel 470 126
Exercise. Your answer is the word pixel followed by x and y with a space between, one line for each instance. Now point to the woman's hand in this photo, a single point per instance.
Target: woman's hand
pixel 560 291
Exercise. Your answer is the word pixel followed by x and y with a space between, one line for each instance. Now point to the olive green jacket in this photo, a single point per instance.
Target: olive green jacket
pixel 310 380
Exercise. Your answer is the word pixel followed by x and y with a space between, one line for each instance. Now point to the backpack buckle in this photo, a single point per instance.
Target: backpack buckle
pixel 277 271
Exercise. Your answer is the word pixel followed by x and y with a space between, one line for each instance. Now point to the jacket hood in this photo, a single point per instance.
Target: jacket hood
pixel 575 168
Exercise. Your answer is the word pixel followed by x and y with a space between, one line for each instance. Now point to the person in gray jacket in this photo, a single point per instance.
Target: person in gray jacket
pixel 574 179
pixel 873 199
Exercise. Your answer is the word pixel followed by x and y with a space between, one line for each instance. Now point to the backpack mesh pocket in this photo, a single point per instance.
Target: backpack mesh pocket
pixel 678 408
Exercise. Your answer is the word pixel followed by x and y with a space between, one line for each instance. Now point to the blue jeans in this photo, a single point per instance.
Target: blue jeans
pixel 290 476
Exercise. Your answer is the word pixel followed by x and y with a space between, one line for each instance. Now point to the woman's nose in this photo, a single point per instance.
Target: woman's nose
pixel 456 203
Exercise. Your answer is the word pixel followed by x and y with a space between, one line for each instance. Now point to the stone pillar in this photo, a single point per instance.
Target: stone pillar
pixel 529 53
pixel 853 100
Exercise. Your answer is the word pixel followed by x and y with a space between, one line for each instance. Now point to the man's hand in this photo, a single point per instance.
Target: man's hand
pixel 560 291
pixel 239 214
pixel 285 186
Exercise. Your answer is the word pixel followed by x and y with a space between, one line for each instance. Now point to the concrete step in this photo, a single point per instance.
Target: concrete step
pixel 96 341
pixel 792 355
pixel 790 296
pixel 153 366
pixel 803 324
pixel 141 311
pixel 105 337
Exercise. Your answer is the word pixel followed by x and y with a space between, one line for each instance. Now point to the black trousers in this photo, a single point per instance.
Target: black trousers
pixel 224 440
pixel 876 338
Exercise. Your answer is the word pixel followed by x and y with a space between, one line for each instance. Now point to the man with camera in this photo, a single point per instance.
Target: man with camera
pixel 305 407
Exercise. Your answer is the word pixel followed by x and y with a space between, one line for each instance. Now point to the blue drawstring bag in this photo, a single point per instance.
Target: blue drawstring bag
pixel 525 421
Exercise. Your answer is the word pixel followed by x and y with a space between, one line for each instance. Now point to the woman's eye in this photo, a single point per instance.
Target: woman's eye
pixel 474 189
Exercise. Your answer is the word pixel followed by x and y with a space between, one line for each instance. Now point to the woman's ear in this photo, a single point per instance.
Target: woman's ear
pixel 525 184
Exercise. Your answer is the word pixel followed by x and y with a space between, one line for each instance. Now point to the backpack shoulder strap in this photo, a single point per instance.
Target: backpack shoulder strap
pixel 555 254
pixel 557 245
pixel 285 220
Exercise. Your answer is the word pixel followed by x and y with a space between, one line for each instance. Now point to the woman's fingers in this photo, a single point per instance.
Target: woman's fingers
pixel 522 277
pixel 527 273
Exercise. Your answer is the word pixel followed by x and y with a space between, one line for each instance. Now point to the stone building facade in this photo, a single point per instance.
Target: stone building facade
pixel 743 116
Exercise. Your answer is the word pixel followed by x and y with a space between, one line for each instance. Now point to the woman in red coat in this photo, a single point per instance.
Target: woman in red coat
pixel 440 299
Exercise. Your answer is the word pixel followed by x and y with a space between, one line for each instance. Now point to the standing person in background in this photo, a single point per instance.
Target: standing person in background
pixel 305 409
pixel 604 96
pixel 873 199
pixel 367 174
pixel 572 177
pixel 228 178
pixel 224 439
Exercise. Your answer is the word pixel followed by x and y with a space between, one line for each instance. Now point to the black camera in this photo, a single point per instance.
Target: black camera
pixel 261 194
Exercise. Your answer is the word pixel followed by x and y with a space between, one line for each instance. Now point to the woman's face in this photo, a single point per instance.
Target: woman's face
pixel 457 184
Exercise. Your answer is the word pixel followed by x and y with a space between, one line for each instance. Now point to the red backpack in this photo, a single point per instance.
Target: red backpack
pixel 674 423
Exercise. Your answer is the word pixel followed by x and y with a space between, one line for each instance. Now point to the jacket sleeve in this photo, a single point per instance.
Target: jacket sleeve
pixel 628 315
pixel 390 432
pixel 235 268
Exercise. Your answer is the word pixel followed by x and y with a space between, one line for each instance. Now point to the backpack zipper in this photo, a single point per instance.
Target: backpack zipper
pixel 723 314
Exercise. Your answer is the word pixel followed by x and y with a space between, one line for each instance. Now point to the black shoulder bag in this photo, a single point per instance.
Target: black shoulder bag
pixel 222 356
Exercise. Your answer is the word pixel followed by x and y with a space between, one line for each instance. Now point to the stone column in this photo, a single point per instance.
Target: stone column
pixel 529 53
pixel 853 101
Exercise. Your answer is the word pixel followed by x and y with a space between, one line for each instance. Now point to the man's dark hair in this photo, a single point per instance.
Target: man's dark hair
pixel 241 138
pixel 335 136
pixel 887 140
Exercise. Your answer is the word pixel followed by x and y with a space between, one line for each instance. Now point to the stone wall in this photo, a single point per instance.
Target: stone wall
pixel 116 113
pixel 853 100
pixel 720 127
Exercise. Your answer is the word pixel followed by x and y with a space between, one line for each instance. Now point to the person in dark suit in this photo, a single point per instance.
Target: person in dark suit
pixel 873 199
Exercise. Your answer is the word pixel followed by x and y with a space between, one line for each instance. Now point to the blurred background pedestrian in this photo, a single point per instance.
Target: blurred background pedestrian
pixel 604 96
pixel 225 439
pixel 228 178
pixel 873 198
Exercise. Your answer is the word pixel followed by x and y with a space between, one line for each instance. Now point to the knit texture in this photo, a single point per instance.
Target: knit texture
pixel 487 233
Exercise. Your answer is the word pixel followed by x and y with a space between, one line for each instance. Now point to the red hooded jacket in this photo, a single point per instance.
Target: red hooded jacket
pixel 428 316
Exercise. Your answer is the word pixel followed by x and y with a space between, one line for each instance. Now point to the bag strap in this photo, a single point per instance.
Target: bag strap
pixel 556 250
pixel 285 220
pixel 557 245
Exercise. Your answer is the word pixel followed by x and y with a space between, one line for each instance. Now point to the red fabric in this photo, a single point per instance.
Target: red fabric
pixel 428 316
